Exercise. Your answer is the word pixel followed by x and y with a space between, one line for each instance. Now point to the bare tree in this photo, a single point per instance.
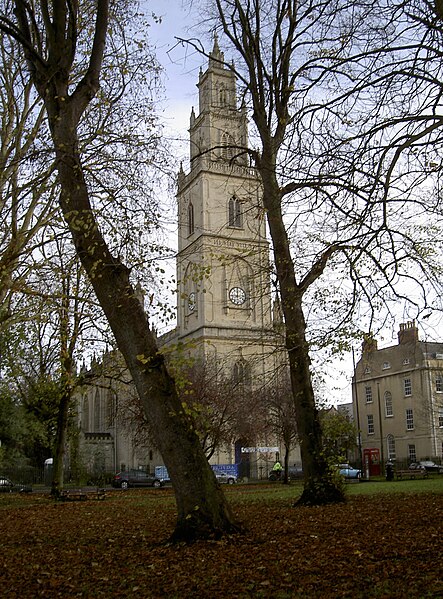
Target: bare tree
pixel 27 198
pixel 50 36
pixel 318 77
pixel 279 402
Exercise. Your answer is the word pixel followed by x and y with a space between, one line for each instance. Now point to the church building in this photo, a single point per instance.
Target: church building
pixel 223 269
pixel 226 317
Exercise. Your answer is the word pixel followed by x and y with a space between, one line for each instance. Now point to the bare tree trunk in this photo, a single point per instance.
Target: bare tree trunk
pixel 286 465
pixel 202 508
pixel 320 487
pixel 59 445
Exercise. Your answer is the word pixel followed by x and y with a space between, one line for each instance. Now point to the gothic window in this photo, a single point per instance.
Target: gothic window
pixel 242 374
pixel 391 447
pixel 110 412
pixel 227 149
pixel 85 418
pixel 222 96
pixel 97 413
pixel 235 213
pixel 388 404
pixel 190 219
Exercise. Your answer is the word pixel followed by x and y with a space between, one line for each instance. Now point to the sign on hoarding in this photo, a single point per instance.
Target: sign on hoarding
pixel 259 449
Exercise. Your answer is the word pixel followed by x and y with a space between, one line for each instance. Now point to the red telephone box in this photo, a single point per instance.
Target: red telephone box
pixel 371 460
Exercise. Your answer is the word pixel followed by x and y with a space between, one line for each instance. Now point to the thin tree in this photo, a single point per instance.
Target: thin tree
pixel 50 36
pixel 279 403
pixel 27 196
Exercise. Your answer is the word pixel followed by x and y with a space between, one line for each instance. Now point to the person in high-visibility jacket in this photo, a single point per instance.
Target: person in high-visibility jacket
pixel 277 467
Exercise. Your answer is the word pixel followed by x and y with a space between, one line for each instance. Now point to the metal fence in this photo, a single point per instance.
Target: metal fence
pixel 26 475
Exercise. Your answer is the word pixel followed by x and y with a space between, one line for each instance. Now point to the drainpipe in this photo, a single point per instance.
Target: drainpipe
pixel 354 385
pixel 382 457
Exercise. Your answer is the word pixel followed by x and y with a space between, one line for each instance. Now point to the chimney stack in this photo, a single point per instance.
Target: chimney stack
pixel 369 344
pixel 408 333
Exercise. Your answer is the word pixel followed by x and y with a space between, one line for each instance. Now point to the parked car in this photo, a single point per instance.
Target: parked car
pixel 427 465
pixel 349 472
pixel 7 486
pixel 136 478
pixel 416 466
pixel 223 477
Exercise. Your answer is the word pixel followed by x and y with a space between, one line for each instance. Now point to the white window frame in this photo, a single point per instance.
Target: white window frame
pixel 407 387
pixel 389 410
pixel 390 442
pixel 409 419
pixel 371 427
pixel 368 394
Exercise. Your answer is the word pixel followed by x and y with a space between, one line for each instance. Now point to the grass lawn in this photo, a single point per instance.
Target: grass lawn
pixel 386 541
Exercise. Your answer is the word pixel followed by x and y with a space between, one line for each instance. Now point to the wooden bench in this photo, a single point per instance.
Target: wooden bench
pixel 100 494
pixel 412 474
pixel 72 495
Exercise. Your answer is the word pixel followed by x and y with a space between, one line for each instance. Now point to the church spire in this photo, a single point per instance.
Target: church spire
pixel 216 57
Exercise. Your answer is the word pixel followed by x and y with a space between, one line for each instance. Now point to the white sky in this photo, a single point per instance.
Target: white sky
pixel 181 62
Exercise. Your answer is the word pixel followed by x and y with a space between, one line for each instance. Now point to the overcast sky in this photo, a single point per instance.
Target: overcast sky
pixel 181 63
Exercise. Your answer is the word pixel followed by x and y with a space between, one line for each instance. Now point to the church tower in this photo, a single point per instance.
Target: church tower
pixel 224 303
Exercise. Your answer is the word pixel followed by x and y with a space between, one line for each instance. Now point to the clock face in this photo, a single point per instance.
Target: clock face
pixel 191 302
pixel 237 296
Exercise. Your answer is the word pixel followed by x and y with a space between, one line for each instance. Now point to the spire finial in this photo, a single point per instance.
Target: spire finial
pixel 216 57
pixel 216 48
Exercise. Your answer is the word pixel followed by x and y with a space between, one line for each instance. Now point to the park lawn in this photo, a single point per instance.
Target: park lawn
pixel 386 541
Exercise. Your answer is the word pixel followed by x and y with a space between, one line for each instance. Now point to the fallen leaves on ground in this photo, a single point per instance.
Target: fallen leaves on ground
pixel 383 546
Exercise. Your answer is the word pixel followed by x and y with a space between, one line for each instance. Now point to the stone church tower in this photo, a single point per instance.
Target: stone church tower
pixel 224 315
pixel 224 300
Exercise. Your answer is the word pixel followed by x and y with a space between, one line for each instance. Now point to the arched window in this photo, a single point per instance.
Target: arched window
pixel 190 219
pixel 388 404
pixel 242 374
pixel 227 149
pixel 85 415
pixel 391 447
pixel 235 216
pixel 110 409
pixel 222 95
pixel 97 413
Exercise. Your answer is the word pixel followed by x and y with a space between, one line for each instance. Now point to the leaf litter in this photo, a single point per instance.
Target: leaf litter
pixel 383 546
